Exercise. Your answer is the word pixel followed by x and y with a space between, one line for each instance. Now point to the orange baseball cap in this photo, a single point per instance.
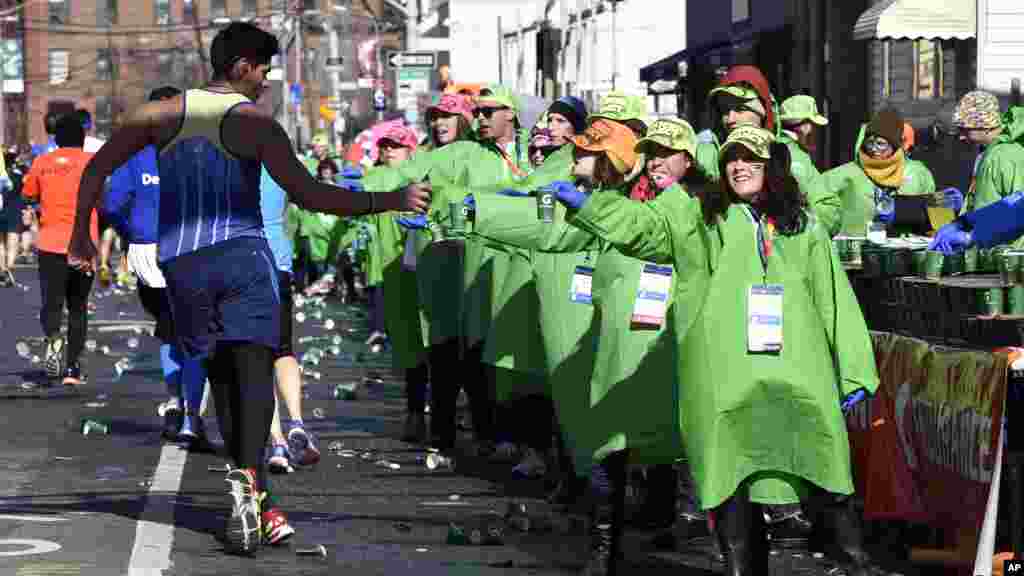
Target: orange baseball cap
pixel 616 140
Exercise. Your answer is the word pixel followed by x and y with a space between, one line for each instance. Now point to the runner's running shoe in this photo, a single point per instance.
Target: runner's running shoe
pixel 193 435
pixel 73 375
pixel 242 533
pixel 279 461
pixel 276 529
pixel 531 466
pixel 54 357
pixel 303 447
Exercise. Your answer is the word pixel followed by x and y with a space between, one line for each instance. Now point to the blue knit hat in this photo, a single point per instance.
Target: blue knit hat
pixel 574 110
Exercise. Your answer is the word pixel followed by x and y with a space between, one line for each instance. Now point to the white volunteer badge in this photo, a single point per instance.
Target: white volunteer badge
pixel 764 318
pixel 651 297
pixel 582 282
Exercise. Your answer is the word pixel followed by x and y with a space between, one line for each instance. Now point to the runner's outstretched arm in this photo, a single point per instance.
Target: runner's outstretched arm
pixel 250 132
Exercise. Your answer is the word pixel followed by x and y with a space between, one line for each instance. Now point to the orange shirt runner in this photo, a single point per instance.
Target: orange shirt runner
pixel 53 180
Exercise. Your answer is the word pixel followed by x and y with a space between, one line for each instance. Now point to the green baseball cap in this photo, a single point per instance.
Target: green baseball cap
pixel 801 108
pixel 672 133
pixel 737 90
pixel 757 140
pixel 621 107
pixel 499 95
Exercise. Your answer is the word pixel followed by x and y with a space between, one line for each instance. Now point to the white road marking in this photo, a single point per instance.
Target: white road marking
pixel 34 547
pixel 154 533
pixel 31 518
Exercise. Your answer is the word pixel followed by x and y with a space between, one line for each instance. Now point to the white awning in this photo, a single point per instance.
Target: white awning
pixel 943 19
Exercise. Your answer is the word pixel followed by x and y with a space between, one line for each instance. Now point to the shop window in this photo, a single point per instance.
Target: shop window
pixel 162 10
pixel 188 10
pixel 60 66
pixel 927 70
pixel 165 65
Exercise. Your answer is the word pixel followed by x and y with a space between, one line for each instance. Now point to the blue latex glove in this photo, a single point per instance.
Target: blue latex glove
pixel 567 193
pixel 853 399
pixel 352 172
pixel 469 202
pixel 418 222
pixel 951 239
pixel 514 193
pixel 885 207
pixel 953 199
pixel 351 184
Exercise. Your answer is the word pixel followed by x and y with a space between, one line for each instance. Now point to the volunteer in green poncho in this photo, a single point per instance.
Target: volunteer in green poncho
pixel 882 188
pixel 758 379
pixel 495 161
pixel 608 372
pixel 401 297
pixel 800 120
pixel 318 239
pixel 999 170
pixel 743 97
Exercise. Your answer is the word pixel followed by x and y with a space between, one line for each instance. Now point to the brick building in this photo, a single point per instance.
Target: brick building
pixel 106 55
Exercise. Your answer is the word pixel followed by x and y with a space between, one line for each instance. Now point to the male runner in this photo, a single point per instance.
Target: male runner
pixel 219 269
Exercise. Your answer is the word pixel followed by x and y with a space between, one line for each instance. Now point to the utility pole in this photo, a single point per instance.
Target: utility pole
pixel 412 32
pixel 336 57
pixel 299 73
pixel 199 42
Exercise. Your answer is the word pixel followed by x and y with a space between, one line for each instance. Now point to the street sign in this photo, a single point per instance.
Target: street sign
pixel 335 61
pixel 410 83
pixel 424 60
pixel 379 101
pixel 348 86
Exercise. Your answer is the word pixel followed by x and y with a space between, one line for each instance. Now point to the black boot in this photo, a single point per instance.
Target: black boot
pixel 600 559
pixel 739 527
pixel 842 524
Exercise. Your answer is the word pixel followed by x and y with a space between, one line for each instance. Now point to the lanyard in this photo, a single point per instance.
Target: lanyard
pixel 763 240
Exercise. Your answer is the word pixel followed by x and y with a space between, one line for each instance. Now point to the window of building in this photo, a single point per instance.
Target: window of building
pixel 927 70
pixel 309 6
pixel 162 10
pixel 106 13
pixel 59 11
pixel 190 75
pixel 189 11
pixel 740 11
pixel 218 9
pixel 60 66
pixel 886 68
pixel 106 67
pixel 250 8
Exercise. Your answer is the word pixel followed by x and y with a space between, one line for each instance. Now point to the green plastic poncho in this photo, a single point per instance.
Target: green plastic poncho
pixel 857 191
pixel 771 419
pixel 1001 169
pixel 611 384
pixel 464 167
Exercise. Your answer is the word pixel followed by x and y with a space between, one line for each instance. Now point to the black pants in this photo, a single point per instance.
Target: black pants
pixel 155 302
pixel 60 284
pixel 449 375
pixel 347 271
pixel 416 388
pixel 242 384
pixel 529 420
pixel 608 493
pixel 376 295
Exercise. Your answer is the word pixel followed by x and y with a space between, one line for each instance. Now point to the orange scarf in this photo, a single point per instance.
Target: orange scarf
pixel 884 172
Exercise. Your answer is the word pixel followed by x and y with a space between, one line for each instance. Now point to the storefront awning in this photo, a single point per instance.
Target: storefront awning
pixel 943 19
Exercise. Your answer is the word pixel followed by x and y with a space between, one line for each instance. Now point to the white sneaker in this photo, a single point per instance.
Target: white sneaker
pixel 242 534
pixel 531 466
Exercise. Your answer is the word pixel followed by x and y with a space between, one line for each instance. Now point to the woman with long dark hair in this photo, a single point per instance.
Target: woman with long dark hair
pixel 771 343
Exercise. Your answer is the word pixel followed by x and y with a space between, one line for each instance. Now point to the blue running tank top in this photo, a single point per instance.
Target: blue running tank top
pixel 207 195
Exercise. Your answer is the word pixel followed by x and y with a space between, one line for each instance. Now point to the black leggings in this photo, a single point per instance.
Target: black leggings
pixel 60 284
pixel 242 383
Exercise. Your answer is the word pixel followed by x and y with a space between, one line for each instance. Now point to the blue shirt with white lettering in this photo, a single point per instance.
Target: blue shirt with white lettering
pixel 132 203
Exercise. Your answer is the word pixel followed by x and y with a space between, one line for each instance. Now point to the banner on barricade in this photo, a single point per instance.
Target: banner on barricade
pixel 924 447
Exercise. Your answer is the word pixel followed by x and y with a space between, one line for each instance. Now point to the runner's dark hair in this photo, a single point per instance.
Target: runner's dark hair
pixel 69 131
pixel 237 41
pixel 163 93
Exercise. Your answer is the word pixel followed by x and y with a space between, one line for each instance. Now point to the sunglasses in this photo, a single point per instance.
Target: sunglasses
pixel 487 112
